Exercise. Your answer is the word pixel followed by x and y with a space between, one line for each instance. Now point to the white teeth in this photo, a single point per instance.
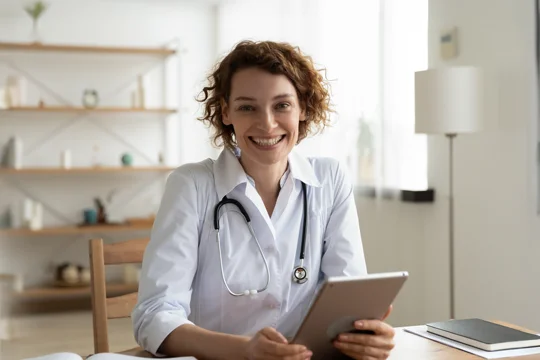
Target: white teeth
pixel 267 141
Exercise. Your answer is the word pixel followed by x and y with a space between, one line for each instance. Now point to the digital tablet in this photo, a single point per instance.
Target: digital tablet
pixel 340 302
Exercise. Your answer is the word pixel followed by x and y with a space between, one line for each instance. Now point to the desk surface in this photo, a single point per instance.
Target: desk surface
pixel 414 347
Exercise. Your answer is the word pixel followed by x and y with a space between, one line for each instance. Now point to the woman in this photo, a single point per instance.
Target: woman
pixel 233 294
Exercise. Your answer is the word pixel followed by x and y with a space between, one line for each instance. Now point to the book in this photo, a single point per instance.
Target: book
pixel 483 334
pixel 100 356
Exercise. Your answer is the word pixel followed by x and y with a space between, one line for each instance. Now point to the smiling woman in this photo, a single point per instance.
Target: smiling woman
pixel 212 283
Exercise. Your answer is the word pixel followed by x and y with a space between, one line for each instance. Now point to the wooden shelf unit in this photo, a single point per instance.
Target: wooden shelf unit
pixel 40 293
pixel 68 109
pixel 86 48
pixel 75 230
pixel 85 170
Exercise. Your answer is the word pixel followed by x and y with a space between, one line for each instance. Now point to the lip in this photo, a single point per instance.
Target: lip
pixel 266 148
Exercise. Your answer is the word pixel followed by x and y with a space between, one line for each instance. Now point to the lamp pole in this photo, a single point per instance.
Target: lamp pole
pixel 451 137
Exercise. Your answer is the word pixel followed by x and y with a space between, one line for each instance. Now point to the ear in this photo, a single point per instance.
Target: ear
pixel 225 112
pixel 303 115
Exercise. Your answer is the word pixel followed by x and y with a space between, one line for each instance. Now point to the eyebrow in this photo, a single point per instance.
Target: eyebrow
pixel 247 98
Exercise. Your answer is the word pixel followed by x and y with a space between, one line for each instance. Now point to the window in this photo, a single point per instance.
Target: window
pixel 370 50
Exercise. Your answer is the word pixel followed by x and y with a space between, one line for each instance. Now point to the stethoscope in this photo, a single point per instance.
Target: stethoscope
pixel 299 274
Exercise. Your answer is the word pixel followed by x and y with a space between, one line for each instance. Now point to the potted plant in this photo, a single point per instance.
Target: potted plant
pixel 35 10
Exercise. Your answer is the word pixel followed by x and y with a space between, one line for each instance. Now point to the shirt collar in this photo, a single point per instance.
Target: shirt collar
pixel 229 173
pixel 301 169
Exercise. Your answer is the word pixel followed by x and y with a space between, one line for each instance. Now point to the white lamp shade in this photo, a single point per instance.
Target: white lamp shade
pixel 449 100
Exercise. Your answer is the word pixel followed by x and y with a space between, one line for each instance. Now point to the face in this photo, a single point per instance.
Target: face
pixel 265 112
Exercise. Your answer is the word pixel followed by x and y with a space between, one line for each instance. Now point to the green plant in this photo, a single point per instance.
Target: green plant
pixel 36 9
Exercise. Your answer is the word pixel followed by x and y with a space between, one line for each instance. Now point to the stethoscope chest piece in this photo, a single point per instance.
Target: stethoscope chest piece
pixel 300 275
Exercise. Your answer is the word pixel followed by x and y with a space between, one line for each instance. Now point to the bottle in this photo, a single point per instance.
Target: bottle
pixel 140 92
pixel 15 152
pixel 65 159
pixel 36 222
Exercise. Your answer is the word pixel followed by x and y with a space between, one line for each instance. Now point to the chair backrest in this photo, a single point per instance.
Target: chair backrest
pixel 103 308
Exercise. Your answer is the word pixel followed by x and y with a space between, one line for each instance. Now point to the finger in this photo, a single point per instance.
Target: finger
pixel 377 326
pixel 274 335
pixel 274 348
pixel 359 357
pixel 390 308
pixel 375 341
pixel 362 351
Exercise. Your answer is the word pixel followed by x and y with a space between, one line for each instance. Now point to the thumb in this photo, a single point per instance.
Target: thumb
pixel 390 308
pixel 274 335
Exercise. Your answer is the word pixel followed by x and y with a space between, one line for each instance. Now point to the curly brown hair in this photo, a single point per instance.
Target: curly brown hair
pixel 277 58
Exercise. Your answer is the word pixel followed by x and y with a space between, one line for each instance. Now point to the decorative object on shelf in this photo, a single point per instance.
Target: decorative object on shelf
pixel 90 216
pixel 90 98
pixel 35 11
pixel 127 159
pixel 41 103
pixel 65 159
pixel 15 91
pixel 7 100
pixel 15 215
pixel 4 155
pixel 101 213
pixel 140 92
pixel 36 223
pixel 3 95
pixel 84 275
pixel 161 158
pixel 32 215
pixel 5 219
pixel 132 273
pixel 14 153
pixel 66 273
pixel 69 274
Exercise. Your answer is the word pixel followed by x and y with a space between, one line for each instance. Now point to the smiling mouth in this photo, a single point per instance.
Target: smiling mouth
pixel 267 142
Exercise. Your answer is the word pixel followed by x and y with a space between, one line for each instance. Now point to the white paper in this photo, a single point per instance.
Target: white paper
pixel 422 331
pixel 111 356
pixel 57 356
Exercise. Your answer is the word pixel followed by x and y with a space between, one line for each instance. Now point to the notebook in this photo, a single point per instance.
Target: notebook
pixel 101 356
pixel 483 334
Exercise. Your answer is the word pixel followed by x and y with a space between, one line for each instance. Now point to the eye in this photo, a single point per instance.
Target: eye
pixel 283 106
pixel 246 108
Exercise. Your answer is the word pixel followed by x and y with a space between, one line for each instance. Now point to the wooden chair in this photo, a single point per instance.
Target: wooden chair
pixel 103 308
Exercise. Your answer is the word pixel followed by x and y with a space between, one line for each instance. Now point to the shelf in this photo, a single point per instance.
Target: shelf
pixel 68 109
pixel 75 230
pixel 86 48
pixel 39 293
pixel 85 170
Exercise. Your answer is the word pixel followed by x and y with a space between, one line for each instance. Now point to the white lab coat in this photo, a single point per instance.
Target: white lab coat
pixel 181 281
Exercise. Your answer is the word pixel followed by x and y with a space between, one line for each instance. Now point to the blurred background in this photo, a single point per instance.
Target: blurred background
pixel 97 106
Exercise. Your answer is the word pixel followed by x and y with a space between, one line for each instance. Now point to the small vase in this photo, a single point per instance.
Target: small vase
pixel 36 38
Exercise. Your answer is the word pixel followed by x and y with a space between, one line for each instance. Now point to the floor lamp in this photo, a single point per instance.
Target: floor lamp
pixel 449 101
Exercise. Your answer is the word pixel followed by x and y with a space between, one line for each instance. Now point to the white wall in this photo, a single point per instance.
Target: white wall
pixel 120 23
pixel 497 228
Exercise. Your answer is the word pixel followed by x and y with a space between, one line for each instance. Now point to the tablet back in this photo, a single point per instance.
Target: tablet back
pixel 340 302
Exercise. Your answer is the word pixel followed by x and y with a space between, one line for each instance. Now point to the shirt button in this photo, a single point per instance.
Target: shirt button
pixel 269 249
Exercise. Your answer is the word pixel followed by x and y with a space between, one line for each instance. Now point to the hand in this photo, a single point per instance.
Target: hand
pixel 368 347
pixel 268 343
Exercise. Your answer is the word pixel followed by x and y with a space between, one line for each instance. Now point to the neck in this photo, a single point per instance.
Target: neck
pixel 266 179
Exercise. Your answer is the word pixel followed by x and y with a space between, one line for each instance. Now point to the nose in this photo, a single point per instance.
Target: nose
pixel 267 121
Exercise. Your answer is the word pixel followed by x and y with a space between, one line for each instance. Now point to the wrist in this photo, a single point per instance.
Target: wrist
pixel 240 348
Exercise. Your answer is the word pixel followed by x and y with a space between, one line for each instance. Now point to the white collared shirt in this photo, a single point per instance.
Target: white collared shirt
pixel 181 280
